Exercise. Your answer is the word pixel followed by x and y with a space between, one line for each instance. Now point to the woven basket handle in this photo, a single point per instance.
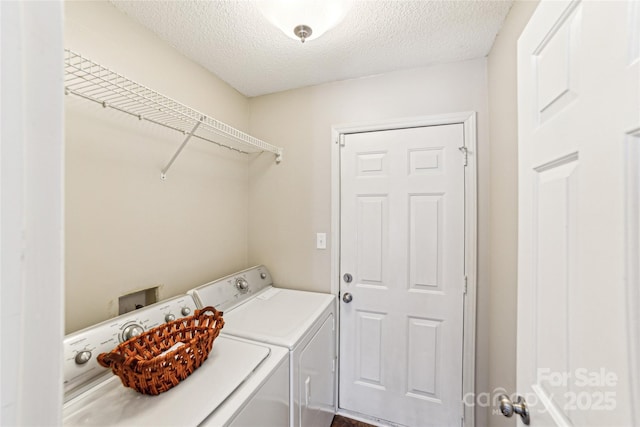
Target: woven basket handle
pixel 203 310
pixel 202 319
pixel 106 359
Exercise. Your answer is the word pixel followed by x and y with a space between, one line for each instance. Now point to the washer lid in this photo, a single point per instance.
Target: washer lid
pixel 277 316
pixel 110 403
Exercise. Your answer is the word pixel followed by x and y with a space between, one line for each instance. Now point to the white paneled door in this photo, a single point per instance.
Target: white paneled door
pixel 578 94
pixel 402 274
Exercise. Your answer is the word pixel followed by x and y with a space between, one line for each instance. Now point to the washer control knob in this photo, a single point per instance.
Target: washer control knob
pixel 185 311
pixel 242 285
pixel 131 331
pixel 83 357
pixel 170 317
pixel 263 276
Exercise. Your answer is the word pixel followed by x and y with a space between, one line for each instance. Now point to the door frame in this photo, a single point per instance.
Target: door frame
pixel 32 212
pixel 632 232
pixel 468 120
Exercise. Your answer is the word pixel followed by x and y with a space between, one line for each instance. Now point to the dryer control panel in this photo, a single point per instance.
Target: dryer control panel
pixel 81 348
pixel 233 290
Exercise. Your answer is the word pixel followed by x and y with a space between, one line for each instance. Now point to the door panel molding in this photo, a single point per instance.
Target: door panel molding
pixel 468 120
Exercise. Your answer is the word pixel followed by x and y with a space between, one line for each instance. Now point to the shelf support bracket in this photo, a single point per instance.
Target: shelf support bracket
pixel 163 174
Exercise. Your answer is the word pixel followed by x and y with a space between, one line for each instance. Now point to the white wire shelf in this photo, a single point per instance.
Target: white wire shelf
pixel 92 81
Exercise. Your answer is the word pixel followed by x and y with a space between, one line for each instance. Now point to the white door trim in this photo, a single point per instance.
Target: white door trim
pixel 31 212
pixel 468 120
pixel 632 233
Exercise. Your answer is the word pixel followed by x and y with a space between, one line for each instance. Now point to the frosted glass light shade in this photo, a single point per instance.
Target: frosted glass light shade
pixel 320 15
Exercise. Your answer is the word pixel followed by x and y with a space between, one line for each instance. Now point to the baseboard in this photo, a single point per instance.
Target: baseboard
pixel 366 419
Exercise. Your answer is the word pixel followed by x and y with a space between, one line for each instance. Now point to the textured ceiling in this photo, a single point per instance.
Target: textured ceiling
pixel 236 43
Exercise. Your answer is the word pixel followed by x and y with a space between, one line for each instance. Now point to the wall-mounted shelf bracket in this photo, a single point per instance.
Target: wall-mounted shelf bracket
pixel 163 174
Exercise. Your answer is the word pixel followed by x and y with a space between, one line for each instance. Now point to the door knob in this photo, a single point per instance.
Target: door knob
pixel 347 297
pixel 347 277
pixel 520 407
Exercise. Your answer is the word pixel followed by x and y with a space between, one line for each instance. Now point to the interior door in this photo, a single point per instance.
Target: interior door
pixel 402 275
pixel 578 99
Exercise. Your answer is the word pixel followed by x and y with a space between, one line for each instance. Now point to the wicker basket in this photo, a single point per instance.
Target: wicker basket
pixel 148 364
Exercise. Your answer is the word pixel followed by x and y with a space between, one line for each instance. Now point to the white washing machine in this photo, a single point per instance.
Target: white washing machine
pixel 241 384
pixel 302 322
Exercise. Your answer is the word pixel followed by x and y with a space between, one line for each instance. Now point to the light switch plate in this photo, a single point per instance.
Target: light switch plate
pixel 321 241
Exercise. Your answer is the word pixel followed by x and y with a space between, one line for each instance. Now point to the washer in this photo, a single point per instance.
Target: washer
pixel 302 322
pixel 242 383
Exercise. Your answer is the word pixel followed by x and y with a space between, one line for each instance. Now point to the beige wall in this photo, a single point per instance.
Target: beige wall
pixel 292 202
pixel 126 229
pixel 503 113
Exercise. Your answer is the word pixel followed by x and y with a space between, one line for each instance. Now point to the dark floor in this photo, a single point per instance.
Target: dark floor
pixel 340 421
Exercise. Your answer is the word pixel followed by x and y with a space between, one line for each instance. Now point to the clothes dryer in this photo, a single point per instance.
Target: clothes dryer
pixel 302 322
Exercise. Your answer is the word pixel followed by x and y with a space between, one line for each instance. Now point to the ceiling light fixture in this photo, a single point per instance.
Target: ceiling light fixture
pixel 304 19
pixel 303 31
